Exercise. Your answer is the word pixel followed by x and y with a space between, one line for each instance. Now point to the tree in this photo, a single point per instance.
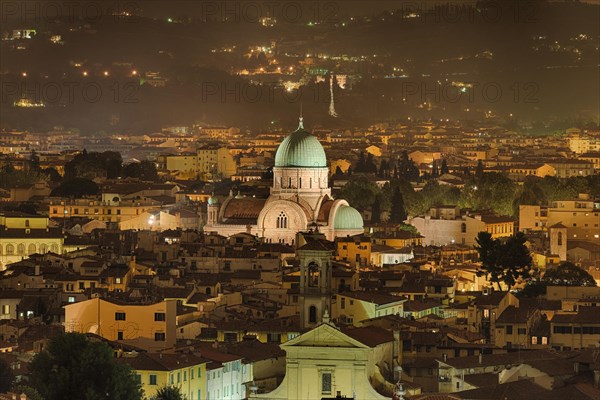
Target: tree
pixel 407 168
pixel 30 392
pixel 398 212
pixel 444 169
pixel 384 169
pixel 34 161
pixel 479 169
pixel 52 174
pixel 359 192
pixel 503 261
pixel 361 163
pixel 76 187
pixel 144 170
pixel 168 393
pixel 435 172
pixel 376 210
pixel 6 376
pixel 267 175
pixel 568 274
pixel 72 368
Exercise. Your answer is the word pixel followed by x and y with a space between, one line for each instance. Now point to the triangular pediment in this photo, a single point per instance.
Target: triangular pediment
pixel 324 335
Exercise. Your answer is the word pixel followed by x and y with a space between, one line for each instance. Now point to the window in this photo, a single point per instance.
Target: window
pixel 274 337
pixel 282 220
pixel 544 340
pixel 5 309
pixel 119 316
pixel 21 249
pixel 159 336
pixel 71 299
pixel 184 376
pixel 522 331
pixel 560 238
pixel 118 280
pixel 152 380
pixel 138 379
pixel 463 228
pixel 120 335
pixel 312 315
pixel 561 329
pixel 326 382
pixel 509 330
pixel 178 377
pixel 192 373
pixel 534 340
pixel 199 372
pixel 26 223
pixel 159 316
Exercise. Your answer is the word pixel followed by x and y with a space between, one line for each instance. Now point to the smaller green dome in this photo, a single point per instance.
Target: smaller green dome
pixel 347 217
pixel 212 200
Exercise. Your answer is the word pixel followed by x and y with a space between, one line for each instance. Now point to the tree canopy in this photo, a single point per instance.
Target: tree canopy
pixel 168 393
pixel 76 187
pixel 75 368
pixel 6 376
pixel 504 261
pixel 568 274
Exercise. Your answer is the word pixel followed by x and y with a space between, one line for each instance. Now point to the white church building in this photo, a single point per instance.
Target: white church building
pixel 300 199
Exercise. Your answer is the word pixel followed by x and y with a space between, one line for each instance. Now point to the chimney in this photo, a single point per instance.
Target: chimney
pixel 480 357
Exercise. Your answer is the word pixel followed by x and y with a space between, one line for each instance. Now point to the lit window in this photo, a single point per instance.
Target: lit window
pixel 326 382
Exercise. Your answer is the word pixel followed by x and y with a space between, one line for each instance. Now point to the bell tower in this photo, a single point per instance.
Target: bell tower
pixel 315 280
pixel 558 241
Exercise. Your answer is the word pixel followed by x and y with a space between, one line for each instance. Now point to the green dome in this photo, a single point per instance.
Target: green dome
pixel 212 200
pixel 300 149
pixel 347 217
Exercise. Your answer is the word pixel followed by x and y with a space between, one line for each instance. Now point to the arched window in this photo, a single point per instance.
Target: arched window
pixel 313 274
pixel 26 223
pixel 463 228
pixel 43 248
pixel 10 249
pixel 31 249
pixel 282 221
pixel 54 248
pixel 208 291
pixel 560 239
pixel 300 183
pixel 312 314
pixel 289 183
pixel 21 249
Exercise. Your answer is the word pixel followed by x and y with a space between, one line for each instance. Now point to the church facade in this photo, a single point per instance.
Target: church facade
pixel 300 199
